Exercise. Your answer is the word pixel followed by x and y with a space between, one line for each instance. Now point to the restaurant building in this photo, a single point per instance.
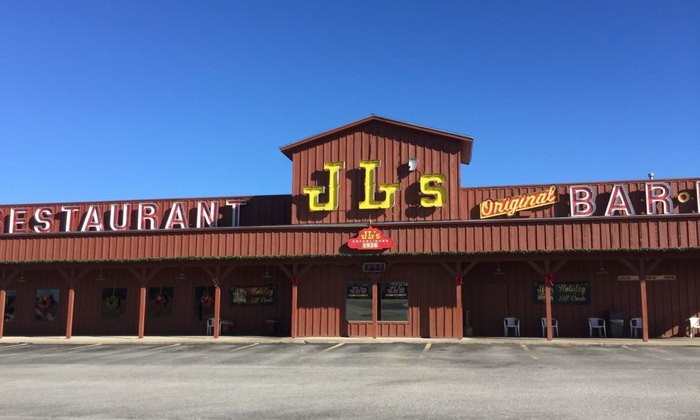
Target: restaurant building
pixel 376 239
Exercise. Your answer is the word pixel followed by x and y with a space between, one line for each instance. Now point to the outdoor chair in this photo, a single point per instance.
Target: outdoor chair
pixel 511 322
pixel 635 325
pixel 694 325
pixel 222 322
pixel 598 324
pixel 555 326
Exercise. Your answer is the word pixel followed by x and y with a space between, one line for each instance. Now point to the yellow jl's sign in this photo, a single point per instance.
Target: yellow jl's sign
pixel 433 194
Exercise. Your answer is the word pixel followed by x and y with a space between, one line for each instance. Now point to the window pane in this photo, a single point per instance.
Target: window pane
pixel 394 301
pixel 358 302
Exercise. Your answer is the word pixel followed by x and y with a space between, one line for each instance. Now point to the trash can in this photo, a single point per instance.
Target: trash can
pixel 271 327
pixel 616 323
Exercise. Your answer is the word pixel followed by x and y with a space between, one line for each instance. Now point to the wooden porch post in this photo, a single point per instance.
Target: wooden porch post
pixel 5 280
pixel 72 278
pixel 143 276
pixel 375 306
pixel 643 295
pixel 217 310
pixel 216 277
pixel 71 305
pixel 3 296
pixel 548 302
pixel 546 272
pixel 459 324
pixel 458 273
pixel 642 270
pixel 294 277
pixel 142 309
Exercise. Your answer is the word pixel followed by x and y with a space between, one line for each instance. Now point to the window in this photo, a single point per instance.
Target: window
pixel 393 305
pixel 358 302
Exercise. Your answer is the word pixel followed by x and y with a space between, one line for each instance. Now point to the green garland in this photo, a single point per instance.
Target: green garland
pixel 344 255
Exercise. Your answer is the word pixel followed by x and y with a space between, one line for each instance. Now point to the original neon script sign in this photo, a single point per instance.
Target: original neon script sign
pixel 511 205
pixel 119 216
pixel 432 192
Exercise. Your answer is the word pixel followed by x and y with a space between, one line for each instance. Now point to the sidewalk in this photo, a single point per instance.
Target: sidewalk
pixel 195 340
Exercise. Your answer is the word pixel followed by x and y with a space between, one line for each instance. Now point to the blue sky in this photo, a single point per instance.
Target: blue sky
pixel 109 100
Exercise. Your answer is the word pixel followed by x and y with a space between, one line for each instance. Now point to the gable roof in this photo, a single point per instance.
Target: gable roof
pixel 465 141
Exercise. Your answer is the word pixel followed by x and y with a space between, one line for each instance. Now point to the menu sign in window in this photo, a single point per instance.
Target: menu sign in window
pixel 259 295
pixel 565 293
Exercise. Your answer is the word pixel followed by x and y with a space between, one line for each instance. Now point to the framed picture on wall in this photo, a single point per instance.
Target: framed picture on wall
pixel 160 302
pixel 113 304
pixel 203 303
pixel 46 304
pixel 10 298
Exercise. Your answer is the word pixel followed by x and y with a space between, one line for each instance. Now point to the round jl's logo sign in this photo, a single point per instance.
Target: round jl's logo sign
pixel 370 239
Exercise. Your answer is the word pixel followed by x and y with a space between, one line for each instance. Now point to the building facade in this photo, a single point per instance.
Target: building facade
pixel 377 239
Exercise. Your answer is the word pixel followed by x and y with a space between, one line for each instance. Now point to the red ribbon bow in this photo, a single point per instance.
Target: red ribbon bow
pixel 549 280
pixel 459 280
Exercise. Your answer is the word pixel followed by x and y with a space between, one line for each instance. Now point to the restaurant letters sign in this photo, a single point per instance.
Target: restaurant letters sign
pixel 432 193
pixel 370 239
pixel 259 295
pixel 565 293
pixel 511 205
pixel 115 217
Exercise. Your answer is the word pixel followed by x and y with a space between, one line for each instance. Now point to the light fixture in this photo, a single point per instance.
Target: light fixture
pixel 20 278
pixel 650 175
pixel 498 271
pixel 182 275
pixel 412 164
pixel 266 275
pixel 100 277
pixel 601 270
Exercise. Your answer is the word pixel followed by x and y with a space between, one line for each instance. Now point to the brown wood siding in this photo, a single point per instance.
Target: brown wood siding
pixel 184 320
pixel 392 146
pixel 555 235
pixel 670 302
pixel 470 198
pixel 432 303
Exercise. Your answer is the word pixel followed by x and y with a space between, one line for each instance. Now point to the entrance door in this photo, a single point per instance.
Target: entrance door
pixel 494 307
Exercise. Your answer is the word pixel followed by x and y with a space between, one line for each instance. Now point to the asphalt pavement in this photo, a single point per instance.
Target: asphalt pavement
pixel 349 380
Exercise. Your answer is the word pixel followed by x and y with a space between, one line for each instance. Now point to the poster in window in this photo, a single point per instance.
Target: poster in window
pixel 260 295
pixel 160 302
pixel 46 304
pixel 203 303
pixel 113 304
pixel 10 298
pixel 395 290
pixel 359 291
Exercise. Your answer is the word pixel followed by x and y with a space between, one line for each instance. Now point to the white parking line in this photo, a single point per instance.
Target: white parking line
pixel 245 347
pixel 12 346
pixel 629 348
pixel 529 353
pixel 427 347
pixel 82 347
pixel 332 347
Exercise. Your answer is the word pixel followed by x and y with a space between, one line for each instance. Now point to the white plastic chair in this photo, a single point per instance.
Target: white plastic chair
pixel 694 325
pixel 511 322
pixel 635 324
pixel 598 324
pixel 210 325
pixel 555 326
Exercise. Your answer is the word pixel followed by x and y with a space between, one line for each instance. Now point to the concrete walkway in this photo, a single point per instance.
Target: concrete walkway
pixel 192 340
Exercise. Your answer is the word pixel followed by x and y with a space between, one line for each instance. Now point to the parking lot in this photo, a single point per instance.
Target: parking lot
pixel 347 380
